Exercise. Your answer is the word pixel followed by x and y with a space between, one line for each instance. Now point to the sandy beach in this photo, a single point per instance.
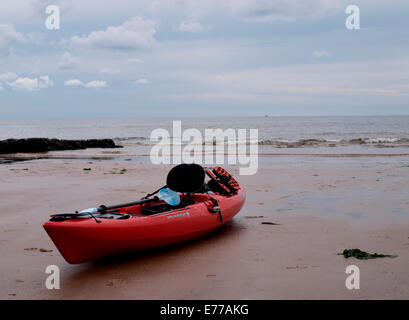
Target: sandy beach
pixel 99 100
pixel 300 212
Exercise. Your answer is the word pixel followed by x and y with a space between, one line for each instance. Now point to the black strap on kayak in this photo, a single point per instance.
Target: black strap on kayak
pixel 96 220
pixel 90 213
pixel 215 208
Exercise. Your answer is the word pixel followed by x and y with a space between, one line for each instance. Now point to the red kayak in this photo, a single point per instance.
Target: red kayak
pixel 151 222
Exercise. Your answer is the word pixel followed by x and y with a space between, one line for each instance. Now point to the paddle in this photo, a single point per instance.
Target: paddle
pixel 165 194
pixel 169 196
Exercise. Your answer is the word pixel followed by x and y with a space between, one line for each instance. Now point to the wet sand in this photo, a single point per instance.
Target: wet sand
pixel 318 206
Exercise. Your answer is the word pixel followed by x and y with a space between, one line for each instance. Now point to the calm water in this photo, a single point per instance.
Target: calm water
pixel 276 134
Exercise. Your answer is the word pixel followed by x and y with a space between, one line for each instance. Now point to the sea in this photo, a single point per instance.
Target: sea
pixel 364 135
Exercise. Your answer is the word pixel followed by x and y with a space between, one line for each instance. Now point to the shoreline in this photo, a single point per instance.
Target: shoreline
pixel 128 155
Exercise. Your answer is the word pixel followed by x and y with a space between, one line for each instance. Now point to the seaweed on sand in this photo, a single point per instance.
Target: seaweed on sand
pixel 362 255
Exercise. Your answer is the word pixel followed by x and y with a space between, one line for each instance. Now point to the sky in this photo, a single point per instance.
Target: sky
pixel 194 58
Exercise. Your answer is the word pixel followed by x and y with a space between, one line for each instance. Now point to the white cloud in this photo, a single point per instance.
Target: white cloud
pixel 133 34
pixel 96 84
pixel 110 71
pixel 136 60
pixel 8 76
pixel 191 26
pixel 320 54
pixel 36 38
pixel 266 10
pixel 91 84
pixel 73 83
pixel 45 82
pixel 67 61
pixel 31 84
pixel 8 38
pixel 142 81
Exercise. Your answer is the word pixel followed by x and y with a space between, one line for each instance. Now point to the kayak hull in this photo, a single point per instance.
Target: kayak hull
pixel 81 240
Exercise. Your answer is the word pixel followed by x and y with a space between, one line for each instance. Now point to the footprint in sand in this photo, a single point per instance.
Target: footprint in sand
pixel 296 267
pixel 271 223
pixel 253 217
pixel 114 282
pixel 36 249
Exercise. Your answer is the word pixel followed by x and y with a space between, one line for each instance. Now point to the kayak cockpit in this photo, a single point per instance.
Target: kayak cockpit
pixel 185 186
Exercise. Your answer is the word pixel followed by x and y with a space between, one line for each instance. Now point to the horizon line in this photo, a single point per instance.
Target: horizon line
pixel 204 117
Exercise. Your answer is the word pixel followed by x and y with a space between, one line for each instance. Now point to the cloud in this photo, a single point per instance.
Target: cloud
pixel 96 84
pixel 8 76
pixel 31 84
pixel 133 34
pixel 45 82
pixel 142 81
pixel 73 83
pixel 35 38
pixel 91 84
pixel 136 60
pixel 110 71
pixel 191 26
pixel 320 54
pixel 287 10
pixel 67 61
pixel 8 38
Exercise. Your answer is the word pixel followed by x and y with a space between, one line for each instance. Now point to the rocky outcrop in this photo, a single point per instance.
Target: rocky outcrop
pixel 45 145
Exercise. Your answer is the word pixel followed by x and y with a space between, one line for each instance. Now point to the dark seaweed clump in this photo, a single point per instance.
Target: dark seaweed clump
pixel 362 255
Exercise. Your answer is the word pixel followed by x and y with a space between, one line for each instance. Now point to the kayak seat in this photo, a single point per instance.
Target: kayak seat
pixel 186 178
